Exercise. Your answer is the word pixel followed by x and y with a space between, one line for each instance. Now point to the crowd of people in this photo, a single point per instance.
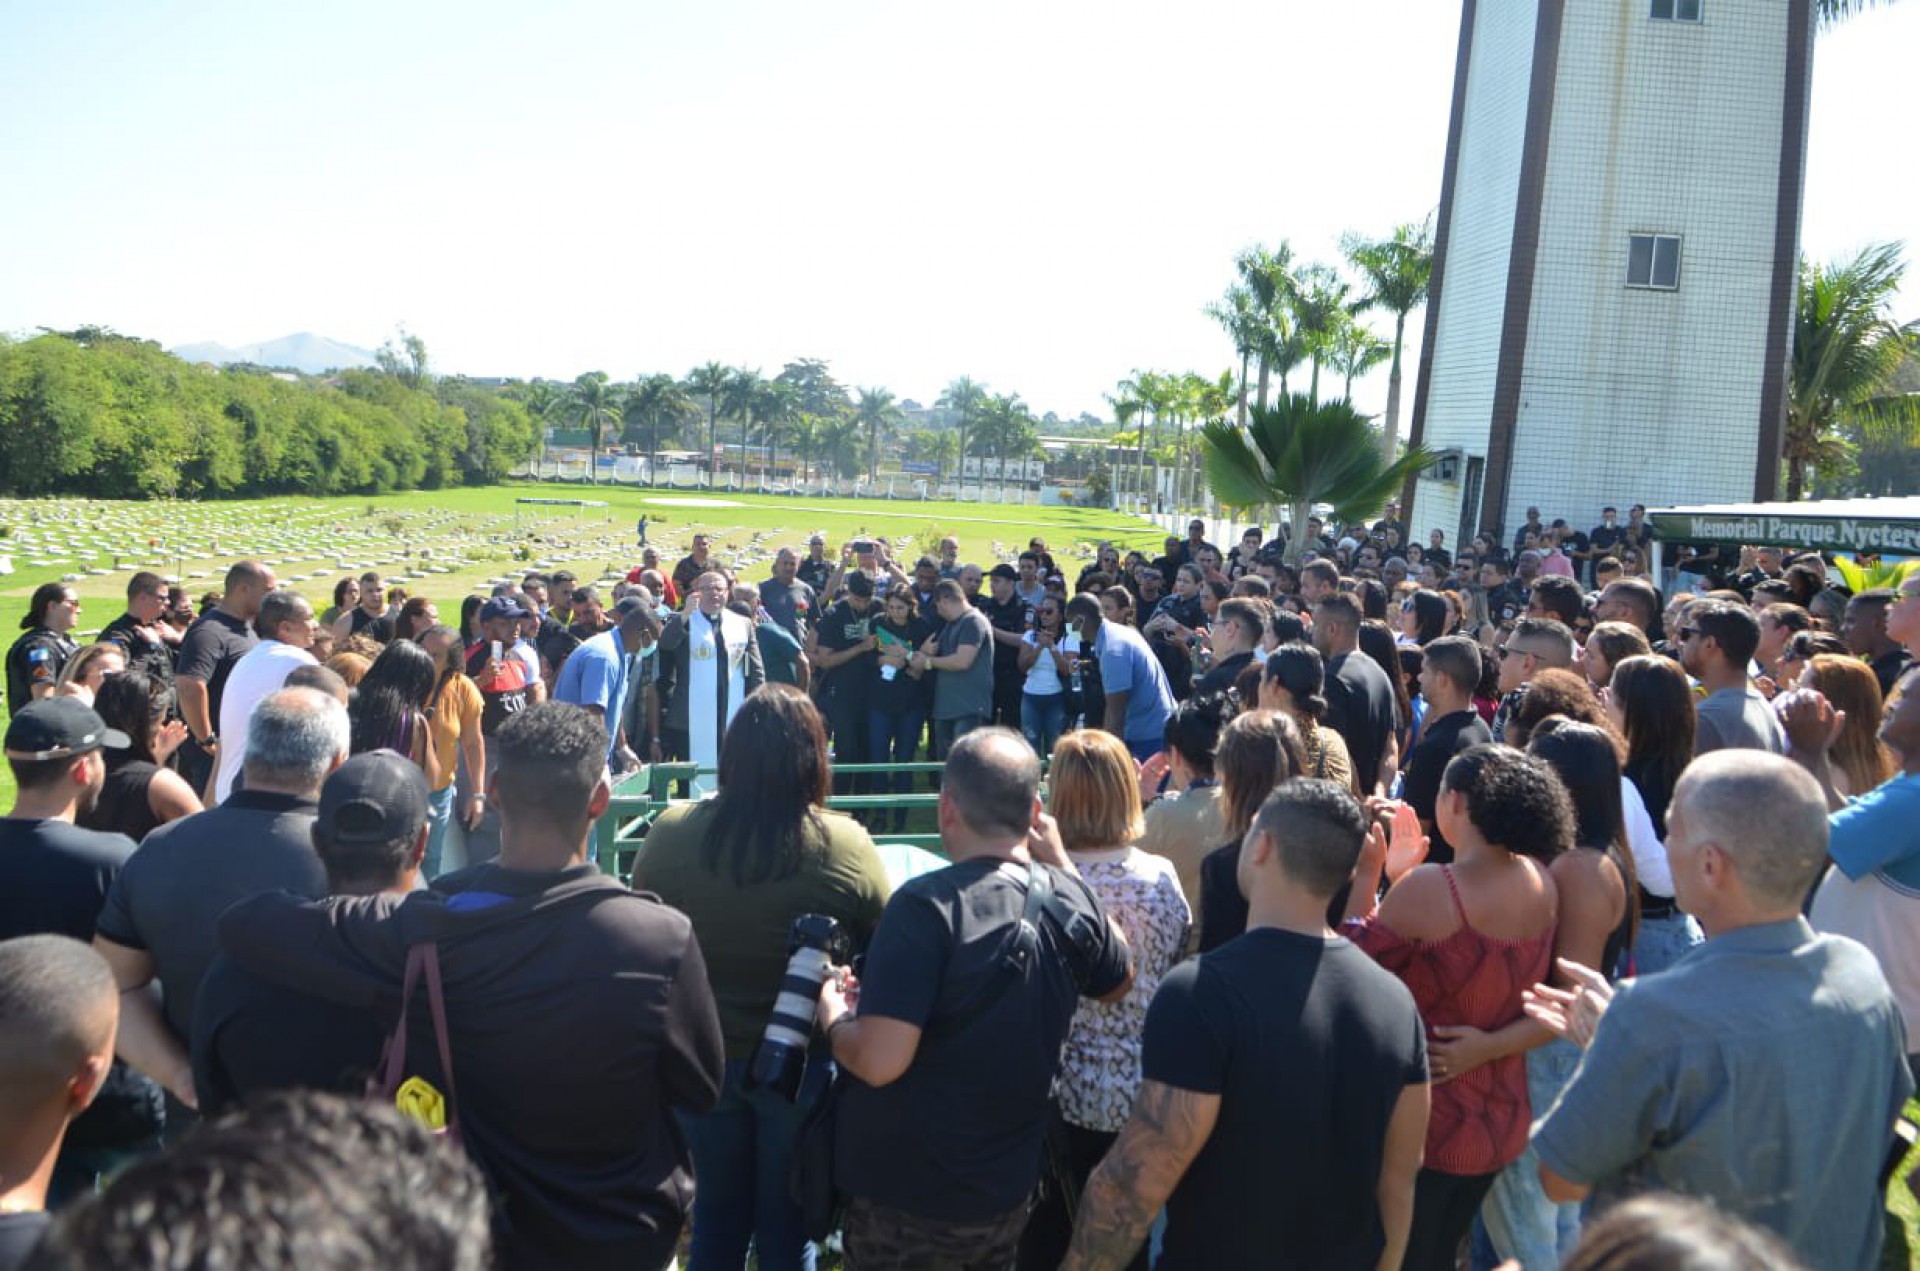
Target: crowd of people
pixel 1373 905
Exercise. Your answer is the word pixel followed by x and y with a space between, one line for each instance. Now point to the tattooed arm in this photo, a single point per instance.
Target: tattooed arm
pixel 1168 1128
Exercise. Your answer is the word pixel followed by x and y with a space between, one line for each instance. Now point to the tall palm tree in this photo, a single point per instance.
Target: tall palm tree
pixel 879 416
pixel 1006 429
pixel 1126 408
pixel 593 403
pixel 655 404
pixel 1268 278
pixel 1398 271
pixel 1299 453
pixel 1321 300
pixel 737 401
pixel 711 380
pixel 1846 348
pixel 543 400
pixel 1237 313
pixel 773 410
pixel 964 397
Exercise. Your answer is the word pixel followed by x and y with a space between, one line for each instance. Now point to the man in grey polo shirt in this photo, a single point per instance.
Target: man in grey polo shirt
pixel 1765 1069
pixel 1717 644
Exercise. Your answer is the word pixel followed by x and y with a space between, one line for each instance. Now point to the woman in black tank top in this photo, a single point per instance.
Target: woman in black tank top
pixel 140 792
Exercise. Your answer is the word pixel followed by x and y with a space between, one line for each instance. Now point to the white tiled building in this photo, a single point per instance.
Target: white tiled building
pixel 1613 284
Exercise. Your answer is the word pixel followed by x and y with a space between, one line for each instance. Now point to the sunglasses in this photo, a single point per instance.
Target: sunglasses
pixel 1687 633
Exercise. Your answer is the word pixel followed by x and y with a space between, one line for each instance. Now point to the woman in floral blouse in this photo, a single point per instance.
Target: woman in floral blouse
pixel 1095 799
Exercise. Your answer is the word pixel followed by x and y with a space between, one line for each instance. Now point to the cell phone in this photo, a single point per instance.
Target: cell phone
pixel 496 651
pixel 862 547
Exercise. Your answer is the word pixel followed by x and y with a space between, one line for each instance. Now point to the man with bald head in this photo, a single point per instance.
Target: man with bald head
pixel 1765 1069
pixel 709 662
pixel 788 600
pixel 58 1012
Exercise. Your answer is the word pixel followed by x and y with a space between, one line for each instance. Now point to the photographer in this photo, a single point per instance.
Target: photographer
pixel 960 1021
pixel 742 866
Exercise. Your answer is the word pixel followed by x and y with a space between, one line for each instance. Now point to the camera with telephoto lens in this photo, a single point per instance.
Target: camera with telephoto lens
pixel 815 943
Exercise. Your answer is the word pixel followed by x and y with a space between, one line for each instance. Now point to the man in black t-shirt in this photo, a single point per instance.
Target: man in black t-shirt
pixel 843 651
pixel 1448 676
pixel 251 1036
pixel 1283 1111
pixel 816 569
pixel 1360 704
pixel 962 1013
pixel 1011 619
pixel 139 631
pixel 212 648
pixel 54 879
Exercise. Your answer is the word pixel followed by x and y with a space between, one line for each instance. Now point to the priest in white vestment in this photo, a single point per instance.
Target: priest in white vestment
pixel 709 662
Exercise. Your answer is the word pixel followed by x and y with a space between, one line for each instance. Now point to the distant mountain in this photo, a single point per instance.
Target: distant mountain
pixel 305 352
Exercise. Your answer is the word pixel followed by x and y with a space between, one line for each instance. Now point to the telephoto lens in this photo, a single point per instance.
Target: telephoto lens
pixel 814 944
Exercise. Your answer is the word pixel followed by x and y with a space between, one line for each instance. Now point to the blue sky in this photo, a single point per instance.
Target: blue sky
pixel 1042 196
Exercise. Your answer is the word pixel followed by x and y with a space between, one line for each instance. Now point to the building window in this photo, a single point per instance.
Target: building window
pixel 1653 260
pixel 1676 10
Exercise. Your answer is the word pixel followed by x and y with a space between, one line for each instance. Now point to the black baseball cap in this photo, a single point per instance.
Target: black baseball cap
pixel 376 797
pixel 59 728
pixel 1003 571
pixel 503 607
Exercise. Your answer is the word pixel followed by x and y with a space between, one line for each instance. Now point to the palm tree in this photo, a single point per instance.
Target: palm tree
pixel 1846 349
pixel 773 410
pixel 1006 429
pixel 1299 453
pixel 1268 279
pixel 593 403
pixel 964 397
pixel 1236 312
pixel 737 400
pixel 880 417
pixel 543 400
pixel 1398 271
pixel 653 404
pixel 1321 301
pixel 1126 408
pixel 710 379
pixel 1353 350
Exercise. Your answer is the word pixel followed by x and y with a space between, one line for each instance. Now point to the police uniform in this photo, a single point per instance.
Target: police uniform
pixel 34 661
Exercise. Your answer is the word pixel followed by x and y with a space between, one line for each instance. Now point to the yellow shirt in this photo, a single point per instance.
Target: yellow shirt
pixel 457 710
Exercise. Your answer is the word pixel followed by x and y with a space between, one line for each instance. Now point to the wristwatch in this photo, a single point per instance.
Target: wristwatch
pixel 207 742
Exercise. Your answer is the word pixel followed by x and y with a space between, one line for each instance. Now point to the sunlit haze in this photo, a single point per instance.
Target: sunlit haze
pixel 1041 196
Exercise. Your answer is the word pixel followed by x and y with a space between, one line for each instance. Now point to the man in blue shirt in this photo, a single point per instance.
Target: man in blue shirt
pixel 1765 1069
pixel 595 674
pixel 1139 699
pixel 1872 893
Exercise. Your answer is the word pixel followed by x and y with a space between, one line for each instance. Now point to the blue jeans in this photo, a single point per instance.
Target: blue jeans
pixel 1043 719
pixel 742 1168
pixel 1521 1221
pixel 1663 942
pixel 439 816
pixel 894 738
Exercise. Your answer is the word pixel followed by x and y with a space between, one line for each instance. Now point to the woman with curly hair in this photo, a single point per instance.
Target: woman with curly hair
pixel 1468 939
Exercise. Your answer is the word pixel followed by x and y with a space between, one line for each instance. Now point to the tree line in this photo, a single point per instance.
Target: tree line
pixel 92 412
pixel 821 425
